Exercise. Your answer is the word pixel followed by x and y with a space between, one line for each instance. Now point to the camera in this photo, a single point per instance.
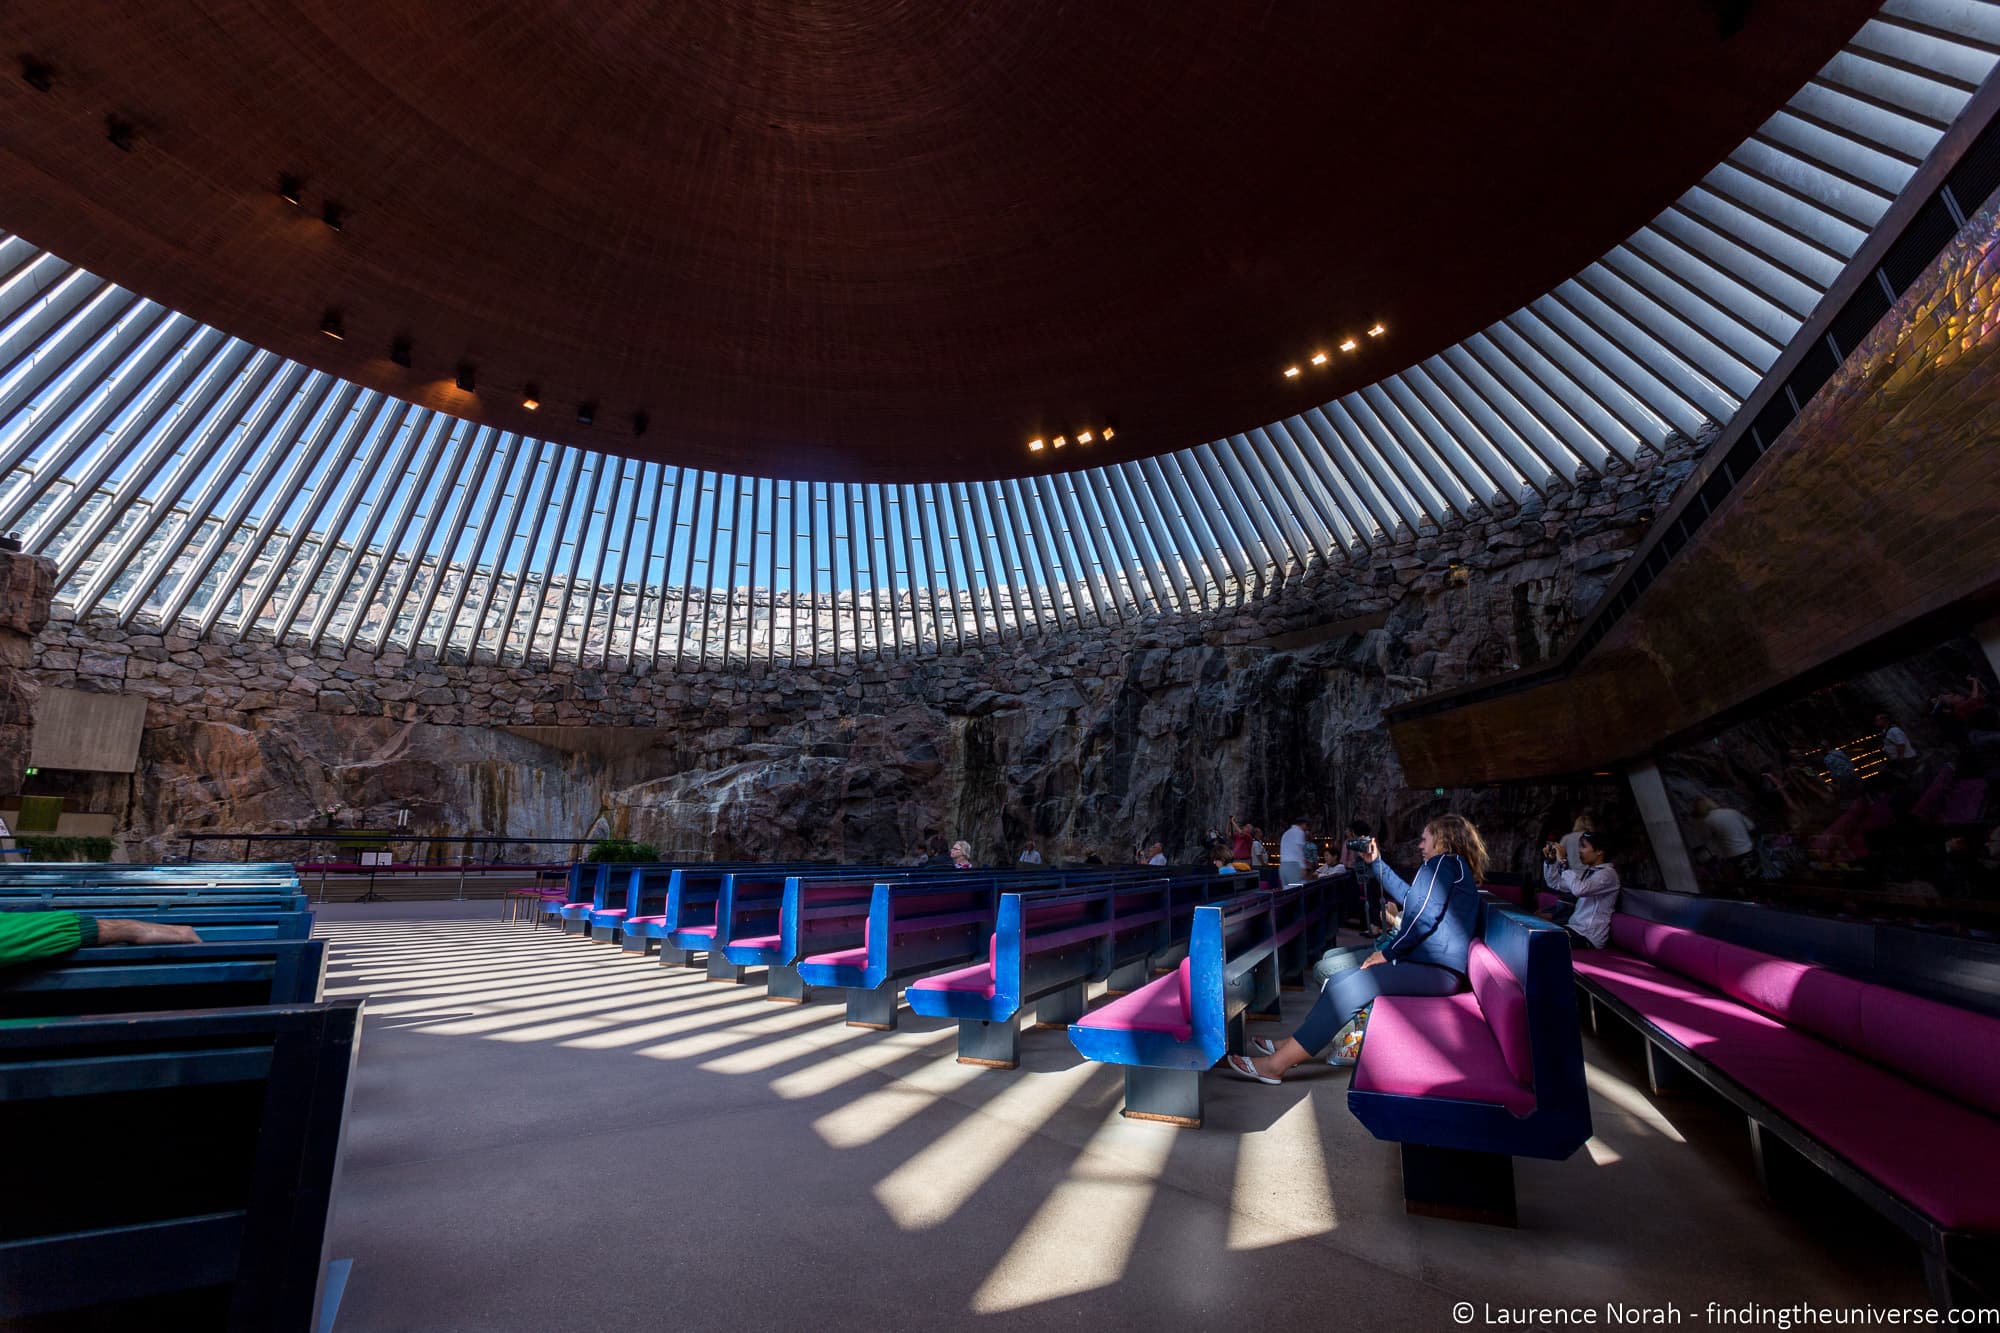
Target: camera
pixel 1359 846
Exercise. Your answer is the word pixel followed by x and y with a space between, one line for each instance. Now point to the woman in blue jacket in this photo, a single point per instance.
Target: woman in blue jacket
pixel 1426 956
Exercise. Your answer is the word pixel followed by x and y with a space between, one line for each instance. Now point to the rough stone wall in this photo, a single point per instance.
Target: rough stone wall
pixel 27 584
pixel 1092 741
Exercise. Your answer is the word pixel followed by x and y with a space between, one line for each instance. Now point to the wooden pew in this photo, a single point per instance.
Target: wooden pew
pixel 1468 1082
pixel 138 900
pixel 132 977
pixel 173 1170
pixel 1169 1032
pixel 908 931
pixel 1049 945
pixel 215 925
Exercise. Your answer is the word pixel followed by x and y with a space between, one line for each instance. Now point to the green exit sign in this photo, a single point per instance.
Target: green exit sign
pixel 31 772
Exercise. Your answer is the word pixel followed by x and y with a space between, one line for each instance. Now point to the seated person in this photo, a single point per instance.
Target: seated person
pixel 1426 956
pixel 26 936
pixel 1590 891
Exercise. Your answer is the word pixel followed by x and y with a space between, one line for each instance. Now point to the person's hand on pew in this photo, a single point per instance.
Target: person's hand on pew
pixel 116 930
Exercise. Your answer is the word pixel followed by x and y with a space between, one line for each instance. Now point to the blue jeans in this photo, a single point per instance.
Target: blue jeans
pixel 1346 994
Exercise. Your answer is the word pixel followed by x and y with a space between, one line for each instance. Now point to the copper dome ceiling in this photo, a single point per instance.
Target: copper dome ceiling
pixel 870 239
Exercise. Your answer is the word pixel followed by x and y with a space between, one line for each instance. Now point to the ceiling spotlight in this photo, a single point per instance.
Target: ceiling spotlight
pixel 639 423
pixel 1061 440
pixel 531 398
pixel 331 326
pixel 1378 331
pixel 121 132
pixel 1319 358
pixel 333 215
pixel 586 413
pixel 1348 344
pixel 1291 372
pixel 37 75
pixel 1036 446
pixel 399 351
pixel 1110 431
pixel 290 188
pixel 1083 437
pixel 468 376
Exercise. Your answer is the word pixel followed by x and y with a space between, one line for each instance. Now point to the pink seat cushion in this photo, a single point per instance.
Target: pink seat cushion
pixel 756 942
pixel 1437 1046
pixel 574 907
pixel 648 921
pixel 1952 1050
pixel 698 930
pixel 842 958
pixel 978 979
pixel 610 911
pixel 1941 1156
pixel 1157 1006
pixel 1506 1009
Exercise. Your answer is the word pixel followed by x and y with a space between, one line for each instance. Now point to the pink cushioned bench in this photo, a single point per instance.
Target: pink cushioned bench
pixel 1468 1082
pixel 1894 1095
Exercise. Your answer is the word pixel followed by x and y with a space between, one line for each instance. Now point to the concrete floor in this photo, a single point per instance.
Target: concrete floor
pixel 547 1134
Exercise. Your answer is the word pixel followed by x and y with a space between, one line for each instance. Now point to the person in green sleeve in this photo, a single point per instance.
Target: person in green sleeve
pixel 26 936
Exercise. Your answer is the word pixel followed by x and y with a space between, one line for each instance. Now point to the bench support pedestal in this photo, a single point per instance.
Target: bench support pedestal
pixel 1458 1184
pixel 1781 1169
pixel 1171 1096
pixel 721 969
pixel 1124 980
pixel 638 944
pixel 577 927
pixel 1665 1075
pixel 671 956
pixel 611 933
pixel 783 983
pixel 1060 1009
pixel 875 1009
pixel 991 1045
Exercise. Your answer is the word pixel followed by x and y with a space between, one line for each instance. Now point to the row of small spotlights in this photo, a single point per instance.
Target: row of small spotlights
pixel 291 189
pixel 124 136
pixel 334 326
pixel 1346 345
pixel 1036 446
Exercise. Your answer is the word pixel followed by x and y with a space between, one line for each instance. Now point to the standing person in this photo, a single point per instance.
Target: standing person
pixel 1155 855
pixel 1292 853
pixel 1259 855
pixel 1730 836
pixel 1240 838
pixel 1584 824
pixel 1591 883
pixel 1029 856
pixel 1896 747
pixel 1426 955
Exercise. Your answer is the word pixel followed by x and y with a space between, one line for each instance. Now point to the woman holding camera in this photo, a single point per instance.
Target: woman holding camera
pixel 1426 955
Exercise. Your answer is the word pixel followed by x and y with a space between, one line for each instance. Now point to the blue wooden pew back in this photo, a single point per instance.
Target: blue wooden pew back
pixel 182 1159
pixel 135 977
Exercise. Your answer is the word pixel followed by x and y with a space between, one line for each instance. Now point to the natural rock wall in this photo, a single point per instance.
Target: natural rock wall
pixel 1091 741
pixel 27 583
